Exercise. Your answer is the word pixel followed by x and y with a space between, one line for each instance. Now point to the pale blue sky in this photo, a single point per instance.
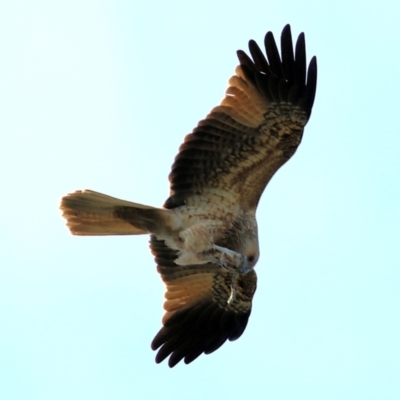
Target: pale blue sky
pixel 99 95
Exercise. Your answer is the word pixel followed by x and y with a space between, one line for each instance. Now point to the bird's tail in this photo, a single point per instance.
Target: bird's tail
pixel 90 213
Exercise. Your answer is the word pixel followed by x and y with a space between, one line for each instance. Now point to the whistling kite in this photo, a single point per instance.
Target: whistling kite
pixel 204 239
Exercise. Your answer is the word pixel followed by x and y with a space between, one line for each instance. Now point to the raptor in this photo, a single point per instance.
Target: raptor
pixel 204 238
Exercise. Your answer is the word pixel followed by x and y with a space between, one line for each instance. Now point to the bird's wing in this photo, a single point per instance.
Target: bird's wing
pixel 198 318
pixel 233 153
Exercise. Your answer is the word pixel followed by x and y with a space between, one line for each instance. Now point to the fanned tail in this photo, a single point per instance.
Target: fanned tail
pixel 90 213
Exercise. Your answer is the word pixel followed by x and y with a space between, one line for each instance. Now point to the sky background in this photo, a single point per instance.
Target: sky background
pixel 99 95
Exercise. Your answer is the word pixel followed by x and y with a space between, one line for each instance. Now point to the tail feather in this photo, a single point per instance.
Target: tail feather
pixel 92 213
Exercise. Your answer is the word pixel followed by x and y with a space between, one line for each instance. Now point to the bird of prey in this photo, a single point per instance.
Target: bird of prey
pixel 204 238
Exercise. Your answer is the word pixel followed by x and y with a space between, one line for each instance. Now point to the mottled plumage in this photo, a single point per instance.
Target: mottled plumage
pixel 205 239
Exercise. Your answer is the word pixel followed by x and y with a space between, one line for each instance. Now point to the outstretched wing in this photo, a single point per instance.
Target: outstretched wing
pixel 198 318
pixel 233 153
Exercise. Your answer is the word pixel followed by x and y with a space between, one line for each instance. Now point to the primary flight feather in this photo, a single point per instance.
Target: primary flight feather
pixel 205 239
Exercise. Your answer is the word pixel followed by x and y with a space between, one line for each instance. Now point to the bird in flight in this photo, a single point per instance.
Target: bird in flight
pixel 204 238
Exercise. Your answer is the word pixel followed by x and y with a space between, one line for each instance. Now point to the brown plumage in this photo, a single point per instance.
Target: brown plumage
pixel 205 239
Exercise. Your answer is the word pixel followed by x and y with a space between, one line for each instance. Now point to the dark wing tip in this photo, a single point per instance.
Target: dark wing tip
pixel 286 29
pixel 312 83
pixel 192 332
pixel 282 76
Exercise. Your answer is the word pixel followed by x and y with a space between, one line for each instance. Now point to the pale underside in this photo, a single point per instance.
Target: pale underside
pixel 205 240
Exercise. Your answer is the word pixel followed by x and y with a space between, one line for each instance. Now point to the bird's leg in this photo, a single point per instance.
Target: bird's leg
pixel 231 260
pixel 198 248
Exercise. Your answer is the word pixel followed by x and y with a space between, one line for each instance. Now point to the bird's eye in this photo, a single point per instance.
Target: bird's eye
pixel 250 258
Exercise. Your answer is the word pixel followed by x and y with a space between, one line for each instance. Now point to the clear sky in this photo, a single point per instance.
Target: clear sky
pixel 99 95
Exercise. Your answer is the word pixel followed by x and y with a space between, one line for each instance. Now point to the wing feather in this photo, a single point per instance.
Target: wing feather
pixel 258 126
pixel 198 318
